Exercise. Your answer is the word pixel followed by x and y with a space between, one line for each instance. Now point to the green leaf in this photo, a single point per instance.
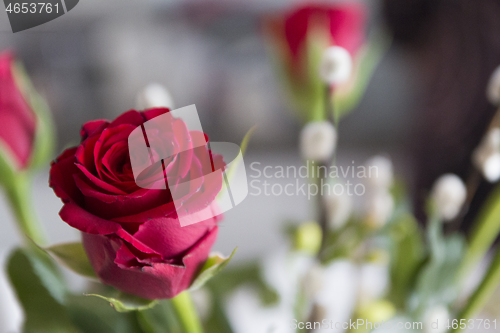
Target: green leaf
pixel 91 314
pixel 123 302
pixel 160 319
pixel 42 305
pixel 408 255
pixel 73 256
pixel 484 291
pixel 436 283
pixel 212 267
pixel 486 230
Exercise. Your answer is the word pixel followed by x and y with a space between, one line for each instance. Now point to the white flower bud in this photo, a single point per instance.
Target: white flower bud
pixel 449 194
pixel 318 141
pixel 313 280
pixel 380 172
pixel 336 65
pixel 486 156
pixel 154 95
pixel 436 319
pixel 380 208
pixel 339 209
pixel 491 168
pixel 493 89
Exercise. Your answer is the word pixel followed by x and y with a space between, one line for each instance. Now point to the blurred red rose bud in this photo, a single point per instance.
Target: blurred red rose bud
pixel 25 128
pixel 298 40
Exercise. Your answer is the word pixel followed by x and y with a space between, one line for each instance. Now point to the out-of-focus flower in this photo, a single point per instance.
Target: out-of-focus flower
pixel 486 156
pixel 436 319
pixel 313 280
pixel 154 95
pixel 339 209
pixel 493 90
pixel 132 235
pixel 23 125
pixel 308 237
pixel 374 282
pixel 336 65
pixel 299 38
pixel 380 172
pixel 448 195
pixel 380 205
pixel 317 141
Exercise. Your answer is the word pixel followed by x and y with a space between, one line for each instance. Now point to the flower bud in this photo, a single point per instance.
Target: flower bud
pixel 380 172
pixel 313 280
pixel 308 237
pixel 336 65
pixel 437 315
pixel 318 141
pixel 339 209
pixel 493 89
pixel 486 156
pixel 448 194
pixel 26 133
pixel 154 95
pixel 380 208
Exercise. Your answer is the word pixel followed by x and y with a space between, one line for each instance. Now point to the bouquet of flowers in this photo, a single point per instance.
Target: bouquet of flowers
pixel 359 264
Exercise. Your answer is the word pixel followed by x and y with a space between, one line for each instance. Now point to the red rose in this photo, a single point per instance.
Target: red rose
pixel 17 119
pixel 132 235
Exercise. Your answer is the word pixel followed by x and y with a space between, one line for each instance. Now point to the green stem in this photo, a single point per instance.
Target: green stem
pixel 186 313
pixel 484 291
pixel 20 198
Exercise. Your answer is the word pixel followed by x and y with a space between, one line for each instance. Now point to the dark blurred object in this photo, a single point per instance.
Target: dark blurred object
pixel 456 46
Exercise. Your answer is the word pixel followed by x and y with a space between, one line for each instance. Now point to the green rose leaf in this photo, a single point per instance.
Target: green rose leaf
pixel 40 292
pixel 90 314
pixel 123 302
pixel 73 256
pixel 213 265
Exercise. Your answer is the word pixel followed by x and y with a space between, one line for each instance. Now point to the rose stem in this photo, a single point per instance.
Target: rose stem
pixel 323 215
pixel 20 198
pixel 186 312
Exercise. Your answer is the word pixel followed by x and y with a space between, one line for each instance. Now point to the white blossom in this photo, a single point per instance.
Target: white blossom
pixel 493 89
pixel 380 208
pixel 449 194
pixel 339 209
pixel 380 172
pixel 336 65
pixel 436 319
pixel 318 140
pixel 154 95
pixel 486 156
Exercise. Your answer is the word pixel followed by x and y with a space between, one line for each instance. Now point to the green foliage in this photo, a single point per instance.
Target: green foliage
pixel 123 302
pixel 212 267
pixel 90 314
pixel 73 256
pixel 408 255
pixel 160 319
pixel 486 230
pixel 40 292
